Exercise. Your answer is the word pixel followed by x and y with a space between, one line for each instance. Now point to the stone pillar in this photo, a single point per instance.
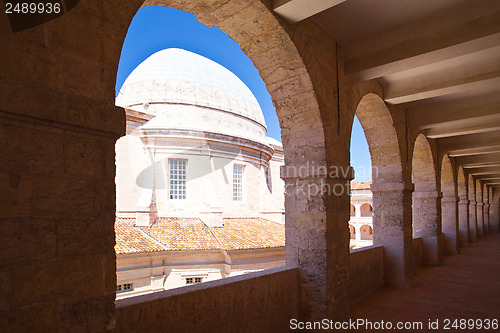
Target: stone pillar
pixel 472 221
pixel 479 220
pixel 358 210
pixel 494 217
pixel 317 239
pixel 392 230
pixel 358 232
pixel 426 224
pixel 486 218
pixel 463 222
pixel 449 220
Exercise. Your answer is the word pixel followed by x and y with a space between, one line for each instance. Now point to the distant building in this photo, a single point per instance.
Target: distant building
pixel 361 221
pixel 173 252
pixel 199 193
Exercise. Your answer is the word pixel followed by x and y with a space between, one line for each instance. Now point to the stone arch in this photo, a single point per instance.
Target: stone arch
pixel 85 107
pixel 449 216
pixel 366 210
pixel 269 58
pixel 479 208
pixel 383 143
pixel 390 221
pixel 353 210
pixel 272 49
pixel 471 191
pixel 463 208
pixel 366 232
pixel 425 200
pixel 352 231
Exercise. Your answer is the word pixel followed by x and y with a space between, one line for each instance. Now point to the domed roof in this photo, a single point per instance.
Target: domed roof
pixel 175 76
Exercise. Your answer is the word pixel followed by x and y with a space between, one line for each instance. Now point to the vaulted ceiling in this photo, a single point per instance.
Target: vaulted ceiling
pixel 440 59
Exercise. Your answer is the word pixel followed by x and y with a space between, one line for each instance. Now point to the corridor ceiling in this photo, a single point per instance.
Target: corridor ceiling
pixel 440 59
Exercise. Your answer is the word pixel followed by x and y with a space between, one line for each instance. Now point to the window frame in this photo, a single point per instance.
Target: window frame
pixel 179 192
pixel 237 187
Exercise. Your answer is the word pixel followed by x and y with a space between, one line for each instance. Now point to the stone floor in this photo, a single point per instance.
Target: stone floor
pixel 465 286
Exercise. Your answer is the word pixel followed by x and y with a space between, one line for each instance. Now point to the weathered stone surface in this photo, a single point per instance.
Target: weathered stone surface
pixel 58 125
pixel 261 302
pixel 366 271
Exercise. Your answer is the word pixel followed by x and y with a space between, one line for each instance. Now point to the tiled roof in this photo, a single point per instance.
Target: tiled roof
pixel 132 240
pixel 173 234
pixel 361 185
pixel 250 233
pixel 182 234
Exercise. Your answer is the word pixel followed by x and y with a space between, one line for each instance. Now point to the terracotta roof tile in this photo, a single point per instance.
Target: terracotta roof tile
pixel 182 234
pixel 361 185
pixel 250 233
pixel 131 240
pixel 192 234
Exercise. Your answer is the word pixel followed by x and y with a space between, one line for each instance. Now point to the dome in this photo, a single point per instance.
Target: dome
pixel 175 76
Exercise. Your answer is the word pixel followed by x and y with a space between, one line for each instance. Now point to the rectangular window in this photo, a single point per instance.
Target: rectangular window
pixel 124 287
pixel 177 179
pixel 237 182
pixel 191 280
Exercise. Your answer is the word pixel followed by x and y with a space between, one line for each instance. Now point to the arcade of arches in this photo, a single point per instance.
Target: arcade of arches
pixel 431 127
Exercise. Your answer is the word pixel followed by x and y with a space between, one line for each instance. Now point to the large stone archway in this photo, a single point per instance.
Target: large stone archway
pixel 449 207
pixel 317 239
pixel 391 197
pixel 67 67
pixel 426 219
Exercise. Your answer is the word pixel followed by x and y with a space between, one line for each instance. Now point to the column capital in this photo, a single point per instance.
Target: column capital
pixel 472 202
pixel 479 204
pixel 426 194
pixel 449 199
pixel 463 199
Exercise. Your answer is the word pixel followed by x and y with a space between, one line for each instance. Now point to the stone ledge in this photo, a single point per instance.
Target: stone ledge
pixel 201 286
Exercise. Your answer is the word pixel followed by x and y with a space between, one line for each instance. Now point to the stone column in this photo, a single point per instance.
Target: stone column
pixel 317 239
pixel 479 220
pixel 486 218
pixel 472 221
pixel 426 224
pixel 358 232
pixel 494 217
pixel 392 230
pixel 463 222
pixel 358 210
pixel 449 220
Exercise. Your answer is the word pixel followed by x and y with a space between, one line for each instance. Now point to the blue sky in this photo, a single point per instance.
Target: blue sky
pixel 157 28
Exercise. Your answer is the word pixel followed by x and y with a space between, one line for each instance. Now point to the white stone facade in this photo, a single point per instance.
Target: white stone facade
pixel 361 220
pixel 195 148
pixel 182 106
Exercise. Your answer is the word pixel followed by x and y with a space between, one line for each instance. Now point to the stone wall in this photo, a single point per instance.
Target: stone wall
pixel 367 271
pixel 256 302
pixel 58 126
